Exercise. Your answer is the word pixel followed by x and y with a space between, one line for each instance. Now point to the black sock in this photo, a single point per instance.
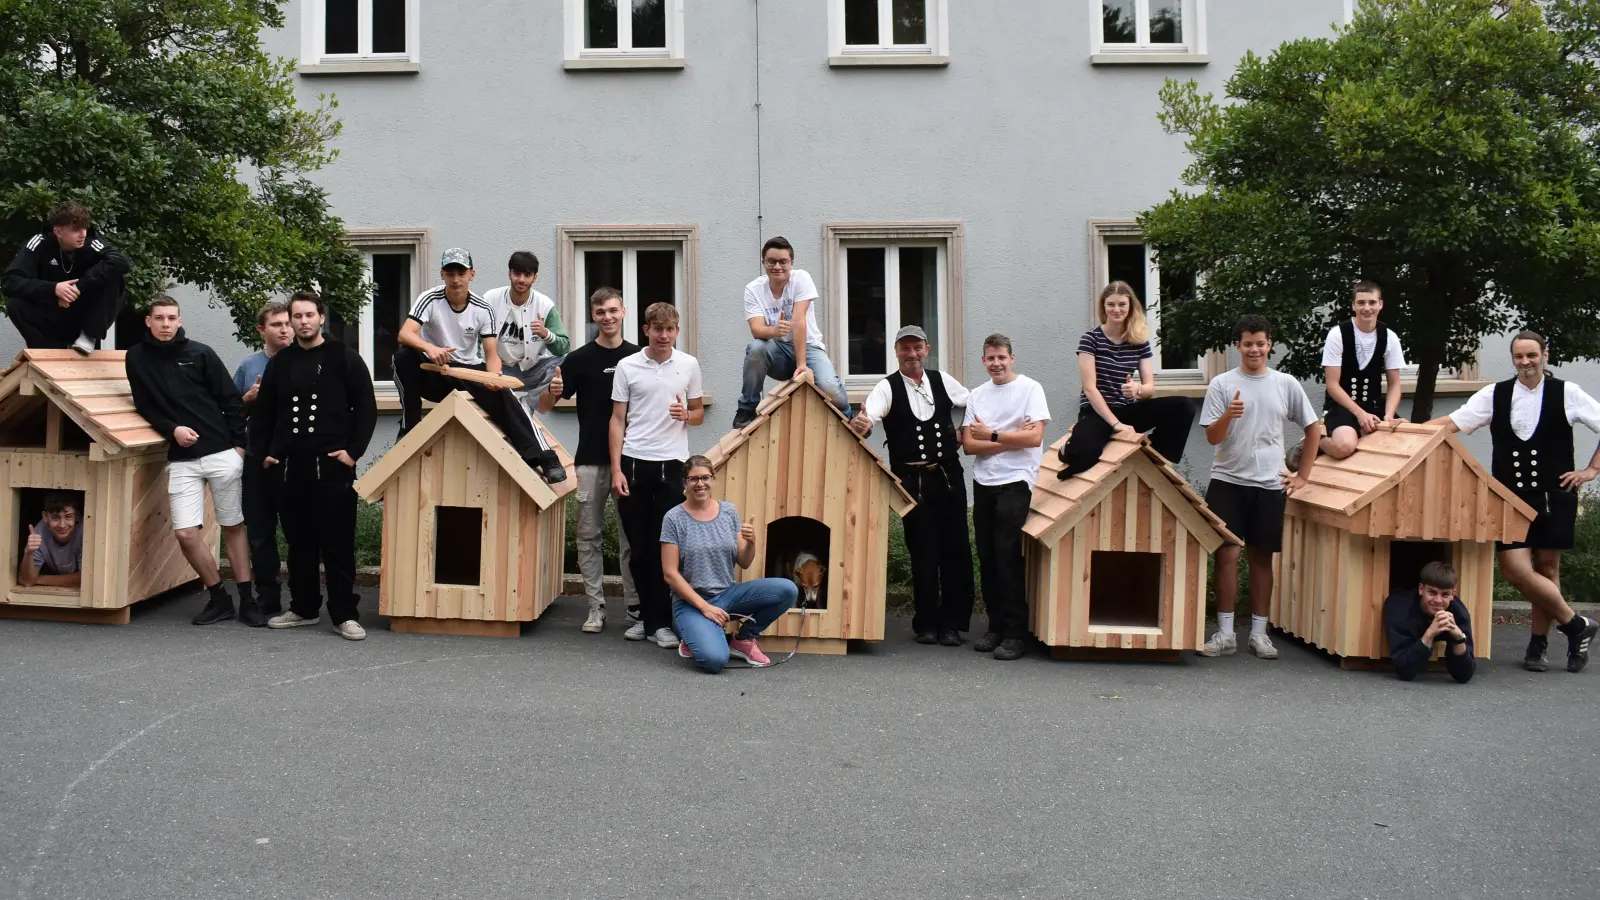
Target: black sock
pixel 218 592
pixel 1541 639
pixel 244 591
pixel 1574 626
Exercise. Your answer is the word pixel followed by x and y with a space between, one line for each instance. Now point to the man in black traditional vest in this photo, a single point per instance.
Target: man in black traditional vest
pixel 915 406
pixel 1530 421
pixel 1361 363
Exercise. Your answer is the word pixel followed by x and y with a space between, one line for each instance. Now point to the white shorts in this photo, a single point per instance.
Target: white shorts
pixel 186 488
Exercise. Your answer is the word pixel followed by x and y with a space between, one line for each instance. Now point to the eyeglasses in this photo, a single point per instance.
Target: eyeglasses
pixel 700 479
pixel 778 263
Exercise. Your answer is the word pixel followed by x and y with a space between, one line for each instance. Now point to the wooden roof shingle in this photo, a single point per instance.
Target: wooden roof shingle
pixel 92 390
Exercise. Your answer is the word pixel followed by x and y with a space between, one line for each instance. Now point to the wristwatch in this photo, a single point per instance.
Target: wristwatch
pixel 994 435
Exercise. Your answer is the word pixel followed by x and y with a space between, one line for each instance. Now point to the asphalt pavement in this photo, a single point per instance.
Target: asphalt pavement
pixel 161 760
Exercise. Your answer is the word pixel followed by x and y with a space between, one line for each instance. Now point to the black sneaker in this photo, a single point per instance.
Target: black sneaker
pixel 1011 648
pixel 926 637
pixel 743 417
pixel 1536 659
pixel 987 643
pixel 218 609
pixel 1578 647
pixel 950 638
pixel 550 468
pixel 251 613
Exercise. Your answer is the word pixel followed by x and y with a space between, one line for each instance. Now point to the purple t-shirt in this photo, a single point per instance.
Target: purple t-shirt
pixel 54 558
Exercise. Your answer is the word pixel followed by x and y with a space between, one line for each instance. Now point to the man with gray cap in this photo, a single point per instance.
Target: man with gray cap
pixel 445 327
pixel 920 434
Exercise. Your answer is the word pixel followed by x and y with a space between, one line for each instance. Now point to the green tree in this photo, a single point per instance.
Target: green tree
pixel 184 140
pixel 1446 148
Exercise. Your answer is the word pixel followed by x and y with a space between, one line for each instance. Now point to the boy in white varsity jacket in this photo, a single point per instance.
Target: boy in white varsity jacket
pixel 532 339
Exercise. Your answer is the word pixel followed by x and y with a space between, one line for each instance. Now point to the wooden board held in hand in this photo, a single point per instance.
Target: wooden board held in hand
pixel 503 381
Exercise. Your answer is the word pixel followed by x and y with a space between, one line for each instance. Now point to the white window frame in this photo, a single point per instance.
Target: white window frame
pixel 935 52
pixel 947 236
pixel 573 241
pixel 314 61
pixel 1193 50
pixel 1103 233
pixel 624 55
pixel 416 241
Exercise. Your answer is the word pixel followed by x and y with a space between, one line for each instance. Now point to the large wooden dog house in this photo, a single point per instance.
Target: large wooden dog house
pixel 814 486
pixel 473 538
pixel 1116 555
pixel 1365 525
pixel 67 423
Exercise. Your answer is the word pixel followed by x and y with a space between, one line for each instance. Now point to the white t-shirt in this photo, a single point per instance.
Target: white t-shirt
pixel 1004 407
pixel 459 330
pixel 1525 408
pixel 649 387
pixel 1252 453
pixel 516 344
pixel 918 396
pixel 758 301
pixel 1366 345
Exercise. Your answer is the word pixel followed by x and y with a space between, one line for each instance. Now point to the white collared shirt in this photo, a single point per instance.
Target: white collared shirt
pixel 1478 411
pixel 649 387
pixel 918 396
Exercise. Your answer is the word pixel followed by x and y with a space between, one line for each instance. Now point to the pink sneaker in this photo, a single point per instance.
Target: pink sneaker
pixel 683 651
pixel 747 650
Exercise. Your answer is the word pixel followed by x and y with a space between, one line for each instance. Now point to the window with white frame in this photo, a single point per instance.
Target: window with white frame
pixel 888 31
pixel 883 277
pixel 648 264
pixel 624 31
pixel 358 32
pixel 394 260
pixel 1148 26
pixel 1120 254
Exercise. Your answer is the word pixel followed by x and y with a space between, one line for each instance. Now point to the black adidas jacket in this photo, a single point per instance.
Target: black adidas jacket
pixel 182 382
pixel 41 264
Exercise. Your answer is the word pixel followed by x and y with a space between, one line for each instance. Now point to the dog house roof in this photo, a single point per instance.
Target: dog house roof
pixel 1058 505
pixel 458 407
pixel 1417 481
pixel 92 390
pixel 900 501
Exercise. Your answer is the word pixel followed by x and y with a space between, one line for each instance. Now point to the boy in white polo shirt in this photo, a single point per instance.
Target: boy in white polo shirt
pixel 781 307
pixel 1004 429
pixel 655 396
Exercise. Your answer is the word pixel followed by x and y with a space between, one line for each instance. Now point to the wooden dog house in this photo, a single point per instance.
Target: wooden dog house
pixel 473 539
pixel 1116 556
pixel 1365 525
pixel 814 486
pixel 67 423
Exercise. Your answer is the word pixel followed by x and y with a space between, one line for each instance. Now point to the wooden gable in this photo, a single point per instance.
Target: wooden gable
pixel 92 391
pixel 1416 482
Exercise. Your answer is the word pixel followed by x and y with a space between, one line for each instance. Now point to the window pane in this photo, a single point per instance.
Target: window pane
pixel 919 294
pixel 601 268
pixel 649 23
pixel 600 24
pixel 1176 287
pixel 910 21
pixel 658 283
pixel 1125 262
pixel 861 21
pixel 1118 25
pixel 867 295
pixel 1166 21
pixel 348 333
pixel 391 297
pixel 388 26
pixel 340 27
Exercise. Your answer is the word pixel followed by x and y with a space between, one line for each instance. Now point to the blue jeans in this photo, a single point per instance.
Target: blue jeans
pixel 763 600
pixel 775 359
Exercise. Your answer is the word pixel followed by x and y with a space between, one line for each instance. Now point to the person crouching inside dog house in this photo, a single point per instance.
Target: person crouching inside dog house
pixel 821 501
pixel 71 443
pixel 1116 555
pixel 473 538
pixel 1363 527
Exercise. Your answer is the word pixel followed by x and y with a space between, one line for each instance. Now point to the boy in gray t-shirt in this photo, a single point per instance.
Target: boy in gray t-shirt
pixel 54 554
pixel 1243 415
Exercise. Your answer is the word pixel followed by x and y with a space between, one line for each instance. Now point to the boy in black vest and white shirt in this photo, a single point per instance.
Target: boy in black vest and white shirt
pixel 1361 363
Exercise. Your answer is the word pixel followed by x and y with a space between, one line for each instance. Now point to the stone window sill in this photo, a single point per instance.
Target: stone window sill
pixel 361 67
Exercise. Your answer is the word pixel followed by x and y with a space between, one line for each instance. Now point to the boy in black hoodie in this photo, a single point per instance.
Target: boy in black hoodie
pixel 314 416
pixel 186 394
pixel 65 286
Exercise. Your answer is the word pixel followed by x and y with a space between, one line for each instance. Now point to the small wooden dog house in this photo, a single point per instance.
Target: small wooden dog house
pixel 473 538
pixel 814 487
pixel 67 423
pixel 1116 555
pixel 1365 525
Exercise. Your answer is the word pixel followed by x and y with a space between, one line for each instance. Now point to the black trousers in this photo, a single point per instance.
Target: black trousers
pixel 503 407
pixel 998 513
pixel 1171 417
pixel 317 502
pixel 46 326
pixel 654 488
pixel 936 541
pixel 261 528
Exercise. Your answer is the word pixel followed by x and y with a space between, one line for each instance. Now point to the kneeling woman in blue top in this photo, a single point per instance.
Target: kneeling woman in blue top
pixel 701 541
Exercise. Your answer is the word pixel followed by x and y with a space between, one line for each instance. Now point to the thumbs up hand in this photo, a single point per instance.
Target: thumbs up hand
pixel 35 541
pixel 250 395
pixel 747 531
pixel 1130 387
pixel 781 330
pixel 677 410
pixel 1236 406
pixel 557 386
pixel 538 329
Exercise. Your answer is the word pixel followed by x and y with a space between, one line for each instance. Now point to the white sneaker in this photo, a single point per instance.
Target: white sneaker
pixel 596 622
pixel 291 620
pixel 664 638
pixel 84 344
pixel 1221 644
pixel 1261 646
pixel 351 630
pixel 635 632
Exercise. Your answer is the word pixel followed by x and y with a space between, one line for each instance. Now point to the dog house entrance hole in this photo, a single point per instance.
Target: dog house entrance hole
pixel 1124 589
pixel 1406 559
pixel 790 542
pixel 30 509
pixel 457 544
